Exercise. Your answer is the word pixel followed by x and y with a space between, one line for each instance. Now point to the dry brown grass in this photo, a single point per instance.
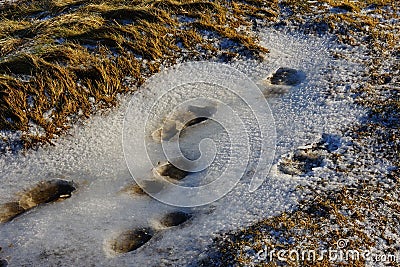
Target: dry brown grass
pixel 351 20
pixel 61 80
pixel 56 56
pixel 317 224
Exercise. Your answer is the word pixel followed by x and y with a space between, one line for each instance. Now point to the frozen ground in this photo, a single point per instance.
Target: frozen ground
pixel 78 231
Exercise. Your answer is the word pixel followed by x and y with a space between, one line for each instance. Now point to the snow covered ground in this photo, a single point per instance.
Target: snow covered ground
pixel 79 231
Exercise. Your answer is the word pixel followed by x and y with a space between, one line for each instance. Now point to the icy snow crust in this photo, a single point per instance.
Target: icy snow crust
pixel 237 140
pixel 77 231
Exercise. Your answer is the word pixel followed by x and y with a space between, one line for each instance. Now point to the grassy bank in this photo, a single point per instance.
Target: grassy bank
pixel 61 61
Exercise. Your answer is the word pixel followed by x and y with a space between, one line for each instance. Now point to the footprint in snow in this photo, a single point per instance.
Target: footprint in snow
pixel 175 218
pixel 131 240
pixel 282 80
pixel 287 76
pixel 170 171
pixel 191 116
pixel 43 192
pixel 304 159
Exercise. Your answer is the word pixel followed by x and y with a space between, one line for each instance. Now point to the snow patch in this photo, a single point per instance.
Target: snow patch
pixel 73 232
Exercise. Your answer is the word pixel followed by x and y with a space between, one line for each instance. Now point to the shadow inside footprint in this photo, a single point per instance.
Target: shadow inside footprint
pixel 197 114
pixel 131 240
pixel 153 186
pixel 194 122
pixel 43 192
pixel 287 76
pixel 3 263
pixel 175 218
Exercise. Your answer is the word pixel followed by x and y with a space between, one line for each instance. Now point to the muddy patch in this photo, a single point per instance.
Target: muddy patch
pixel 131 240
pixel 43 192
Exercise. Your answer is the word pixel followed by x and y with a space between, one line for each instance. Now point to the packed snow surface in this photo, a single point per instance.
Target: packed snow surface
pixel 78 230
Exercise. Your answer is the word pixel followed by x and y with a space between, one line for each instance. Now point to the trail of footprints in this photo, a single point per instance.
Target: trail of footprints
pixel 133 239
pixel 56 190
